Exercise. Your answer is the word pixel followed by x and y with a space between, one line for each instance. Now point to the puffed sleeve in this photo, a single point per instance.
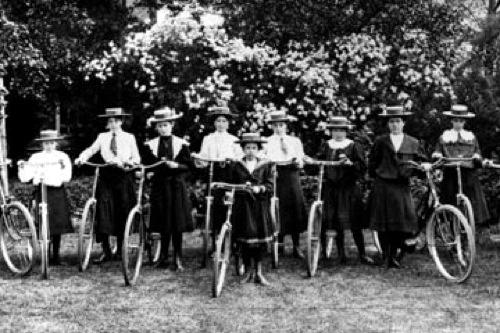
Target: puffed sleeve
pixel 184 158
pixel 267 180
pixel 27 172
pixel 66 169
pixel 358 159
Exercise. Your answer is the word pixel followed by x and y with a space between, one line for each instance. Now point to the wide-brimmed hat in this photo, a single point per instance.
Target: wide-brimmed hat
pixel 114 113
pixel 251 138
pixel 49 135
pixel 397 111
pixel 278 116
pixel 216 111
pixel 339 122
pixel 459 111
pixel 165 114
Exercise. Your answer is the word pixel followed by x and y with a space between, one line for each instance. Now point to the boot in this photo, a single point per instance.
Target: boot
pixel 360 244
pixel 106 252
pixel 339 240
pixel 178 263
pixel 259 277
pixel 393 261
pixel 297 252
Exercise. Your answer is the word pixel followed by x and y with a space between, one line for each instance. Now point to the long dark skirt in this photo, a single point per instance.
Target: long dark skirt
pixel 115 198
pixel 343 207
pixel 170 206
pixel 292 207
pixel 392 207
pixel 58 207
pixel 218 209
pixel 471 188
pixel 251 219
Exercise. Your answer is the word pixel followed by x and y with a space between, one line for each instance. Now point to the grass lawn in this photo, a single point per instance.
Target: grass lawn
pixel 351 298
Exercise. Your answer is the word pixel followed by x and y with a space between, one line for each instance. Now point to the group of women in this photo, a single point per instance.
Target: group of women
pixel 248 160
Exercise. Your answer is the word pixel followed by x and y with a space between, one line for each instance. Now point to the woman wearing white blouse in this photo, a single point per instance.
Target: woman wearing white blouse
pixel 53 167
pixel 283 147
pixel 115 192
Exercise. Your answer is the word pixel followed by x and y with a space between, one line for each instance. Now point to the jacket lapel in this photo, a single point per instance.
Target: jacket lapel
pixel 153 145
pixel 176 146
pixel 387 141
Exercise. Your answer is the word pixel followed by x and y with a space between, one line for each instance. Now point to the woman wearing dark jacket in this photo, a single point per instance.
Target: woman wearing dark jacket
pixel 343 201
pixel 252 225
pixel 392 212
pixel 170 204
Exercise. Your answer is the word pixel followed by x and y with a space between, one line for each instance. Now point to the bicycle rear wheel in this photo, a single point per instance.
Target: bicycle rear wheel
pixel 153 245
pixel 18 238
pixel 86 234
pixel 313 237
pixel 465 206
pixel 133 246
pixel 221 259
pixel 275 218
pixel 451 243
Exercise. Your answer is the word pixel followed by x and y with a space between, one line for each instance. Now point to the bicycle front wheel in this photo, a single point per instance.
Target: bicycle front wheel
pixel 275 218
pixel 313 237
pixel 44 239
pixel 86 234
pixel 133 246
pixel 451 243
pixel 18 238
pixel 465 207
pixel 207 231
pixel 221 259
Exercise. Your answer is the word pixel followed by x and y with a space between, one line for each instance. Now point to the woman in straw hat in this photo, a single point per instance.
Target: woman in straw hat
pixel 170 204
pixel 251 215
pixel 54 167
pixel 115 192
pixel 392 212
pixel 458 142
pixel 282 147
pixel 219 145
pixel 343 203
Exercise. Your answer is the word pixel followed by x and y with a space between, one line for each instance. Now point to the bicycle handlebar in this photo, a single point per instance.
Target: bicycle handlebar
pixel 209 160
pixel 230 187
pixel 325 163
pixel 145 167
pixel 8 162
pixel 95 165
pixel 283 162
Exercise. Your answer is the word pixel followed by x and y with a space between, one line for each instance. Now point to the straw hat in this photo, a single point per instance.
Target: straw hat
pixel 217 111
pixel 339 122
pixel 278 116
pixel 114 113
pixel 49 135
pixel 394 112
pixel 251 138
pixel 165 114
pixel 459 111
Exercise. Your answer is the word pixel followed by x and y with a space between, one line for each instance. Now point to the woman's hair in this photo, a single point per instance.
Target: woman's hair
pixel 259 145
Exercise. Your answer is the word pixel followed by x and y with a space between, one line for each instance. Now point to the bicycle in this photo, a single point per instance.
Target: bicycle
pixel 86 234
pixel 316 219
pixel 448 234
pixel 207 232
pixel 137 234
pixel 18 239
pixel 223 244
pixel 275 212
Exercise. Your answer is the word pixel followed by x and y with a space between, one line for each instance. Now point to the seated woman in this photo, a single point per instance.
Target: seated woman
pixel 252 225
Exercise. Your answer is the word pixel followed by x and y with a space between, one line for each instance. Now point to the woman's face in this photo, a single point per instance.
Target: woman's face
pixel 396 125
pixel 165 128
pixel 458 123
pixel 338 134
pixel 49 146
pixel 251 149
pixel 279 128
pixel 221 124
pixel 114 124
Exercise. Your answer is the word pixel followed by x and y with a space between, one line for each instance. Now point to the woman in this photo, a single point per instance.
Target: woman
pixel 392 210
pixel 115 191
pixel 343 204
pixel 457 142
pixel 292 208
pixel 54 168
pixel 219 145
pixel 170 205
pixel 251 216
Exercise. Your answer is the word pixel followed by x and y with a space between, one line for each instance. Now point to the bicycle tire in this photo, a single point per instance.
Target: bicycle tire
pixel 275 216
pixel 86 234
pixel 133 246
pixel 376 242
pixel 222 257
pixel 445 247
pixel 153 245
pixel 465 206
pixel 44 239
pixel 207 231
pixel 18 228
pixel 313 237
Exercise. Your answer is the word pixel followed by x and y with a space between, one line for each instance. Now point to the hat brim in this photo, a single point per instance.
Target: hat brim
pixel 218 114
pixel 346 127
pixel 400 115
pixel 156 121
pixel 468 115
pixel 50 139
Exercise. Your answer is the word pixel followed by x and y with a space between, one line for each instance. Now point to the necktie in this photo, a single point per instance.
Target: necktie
pixel 459 137
pixel 284 147
pixel 217 143
pixel 113 147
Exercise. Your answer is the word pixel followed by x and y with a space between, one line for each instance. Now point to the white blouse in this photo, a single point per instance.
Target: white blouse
pixel 55 172
pixel 127 151
pixel 273 149
pixel 397 140
pixel 220 145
